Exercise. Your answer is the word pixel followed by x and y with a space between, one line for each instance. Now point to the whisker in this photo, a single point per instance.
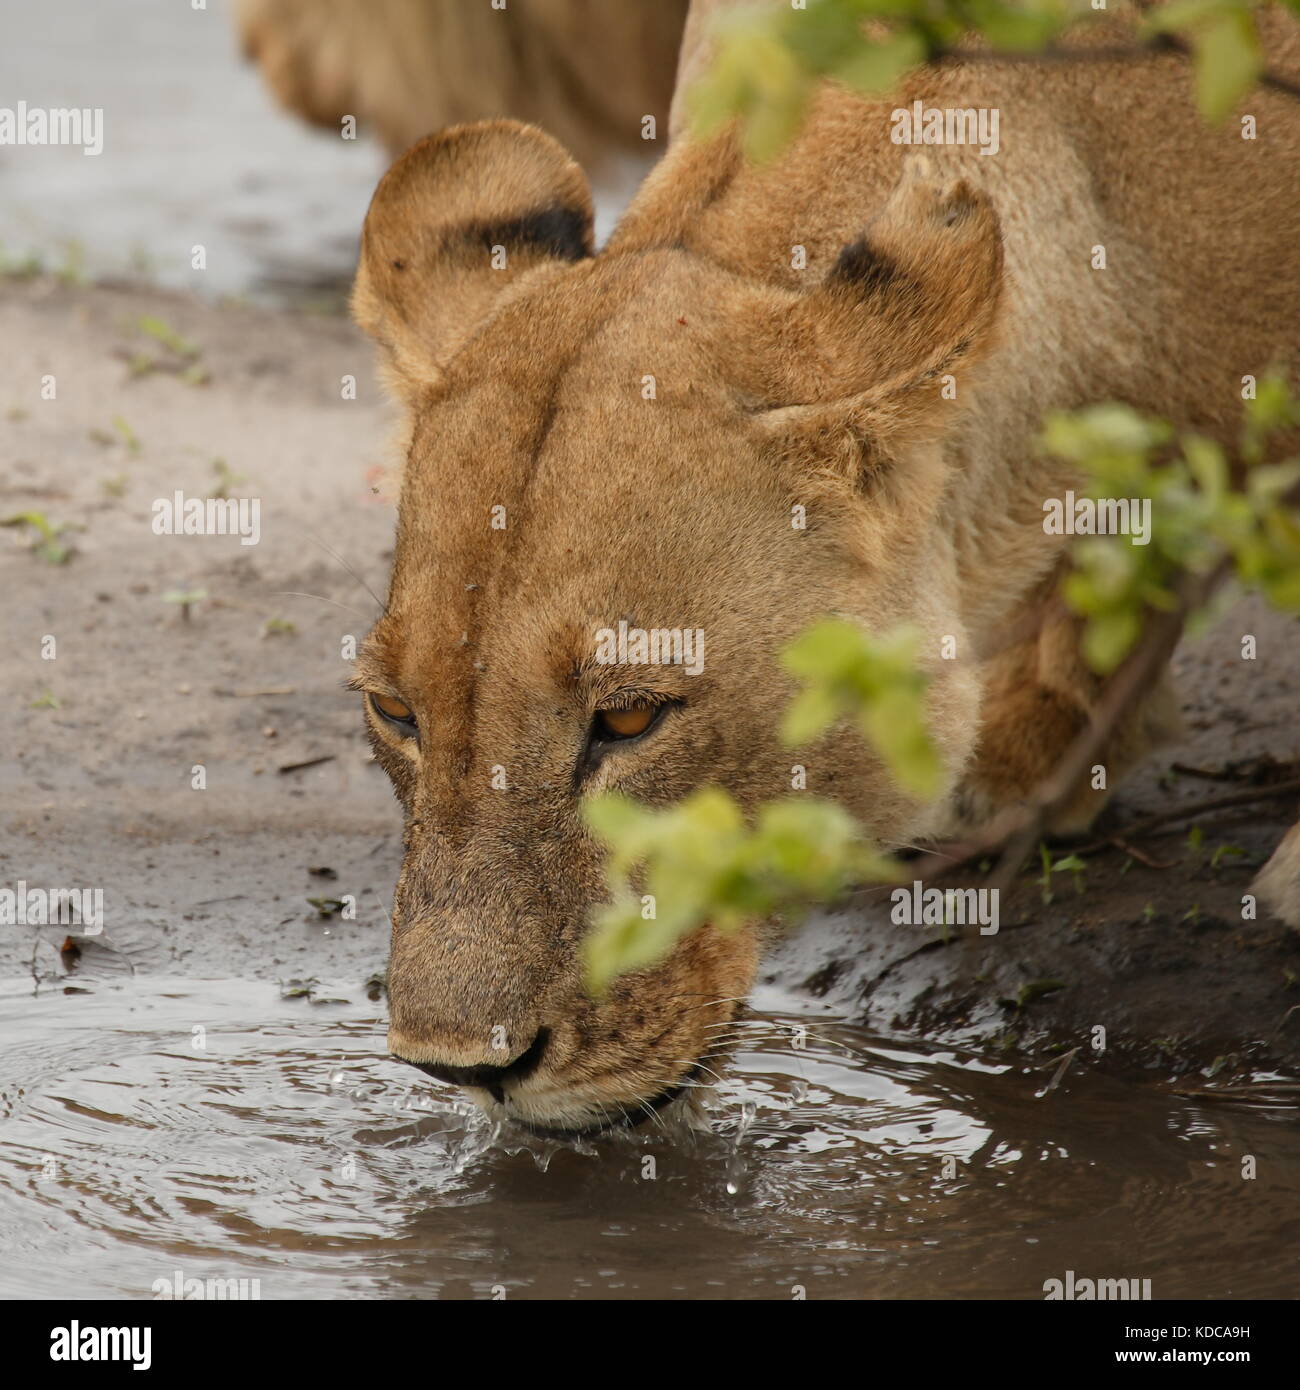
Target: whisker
pixel 684 1062
pixel 383 607
pixel 757 1031
pixel 297 593
pixel 654 1115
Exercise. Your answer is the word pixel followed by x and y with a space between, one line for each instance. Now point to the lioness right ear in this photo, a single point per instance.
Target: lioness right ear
pixel 863 353
pixel 455 220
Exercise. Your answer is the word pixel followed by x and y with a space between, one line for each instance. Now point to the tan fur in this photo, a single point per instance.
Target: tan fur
pixel 774 388
pixel 1277 884
pixel 408 67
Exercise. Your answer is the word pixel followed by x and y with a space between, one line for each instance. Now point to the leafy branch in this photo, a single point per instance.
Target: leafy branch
pixel 769 61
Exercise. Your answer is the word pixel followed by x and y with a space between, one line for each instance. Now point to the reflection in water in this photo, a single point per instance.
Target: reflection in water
pixel 281 1143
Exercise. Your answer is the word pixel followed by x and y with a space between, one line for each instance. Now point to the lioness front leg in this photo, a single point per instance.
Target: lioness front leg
pixel 1038 698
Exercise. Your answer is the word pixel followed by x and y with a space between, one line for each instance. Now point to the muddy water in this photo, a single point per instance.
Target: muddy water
pixel 281 1144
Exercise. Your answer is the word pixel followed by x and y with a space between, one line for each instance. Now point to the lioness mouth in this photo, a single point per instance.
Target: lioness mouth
pixel 645 1110
pixel 641 1110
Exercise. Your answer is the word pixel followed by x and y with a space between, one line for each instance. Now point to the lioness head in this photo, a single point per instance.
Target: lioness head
pixel 643 437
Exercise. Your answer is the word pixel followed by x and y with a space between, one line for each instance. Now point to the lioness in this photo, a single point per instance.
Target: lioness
pixel 636 436
pixel 590 71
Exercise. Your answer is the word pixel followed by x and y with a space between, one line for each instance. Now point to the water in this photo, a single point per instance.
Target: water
pixel 289 1148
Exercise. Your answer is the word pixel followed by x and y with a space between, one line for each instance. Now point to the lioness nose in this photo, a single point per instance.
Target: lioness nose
pixel 489 1078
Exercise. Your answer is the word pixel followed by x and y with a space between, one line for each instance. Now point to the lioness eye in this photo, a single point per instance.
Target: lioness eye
pixel 625 723
pixel 392 709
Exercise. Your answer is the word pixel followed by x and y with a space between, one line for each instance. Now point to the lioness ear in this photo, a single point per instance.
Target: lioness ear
pixel 455 220
pixel 913 300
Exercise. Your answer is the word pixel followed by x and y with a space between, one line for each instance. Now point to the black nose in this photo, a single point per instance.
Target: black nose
pixel 490 1079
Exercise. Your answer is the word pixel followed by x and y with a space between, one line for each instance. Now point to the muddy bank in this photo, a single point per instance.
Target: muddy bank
pixel 178 653
pixel 1147 940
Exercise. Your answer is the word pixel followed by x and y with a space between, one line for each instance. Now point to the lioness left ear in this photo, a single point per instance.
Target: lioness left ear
pixel 455 220
pixel 913 299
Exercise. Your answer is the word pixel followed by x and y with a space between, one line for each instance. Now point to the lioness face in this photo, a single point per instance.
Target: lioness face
pixel 601 447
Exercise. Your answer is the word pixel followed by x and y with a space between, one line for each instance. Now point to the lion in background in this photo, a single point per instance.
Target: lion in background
pixel 587 71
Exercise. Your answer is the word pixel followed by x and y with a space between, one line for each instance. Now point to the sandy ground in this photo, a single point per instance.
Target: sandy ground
pixel 209 881
pixel 99 744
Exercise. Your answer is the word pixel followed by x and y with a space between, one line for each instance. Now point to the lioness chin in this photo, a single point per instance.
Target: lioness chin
pixel 783 391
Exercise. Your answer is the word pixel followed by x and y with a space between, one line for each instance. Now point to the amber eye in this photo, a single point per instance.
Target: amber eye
pixel 392 709
pixel 625 723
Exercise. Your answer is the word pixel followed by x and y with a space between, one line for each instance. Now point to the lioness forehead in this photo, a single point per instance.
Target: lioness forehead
pixel 585 430
pixel 601 337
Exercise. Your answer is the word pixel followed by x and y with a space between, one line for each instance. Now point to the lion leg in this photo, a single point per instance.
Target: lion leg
pixel 1038 698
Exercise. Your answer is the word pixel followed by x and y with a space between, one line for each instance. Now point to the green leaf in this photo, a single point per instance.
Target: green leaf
pixel 877 65
pixel 1110 428
pixel 1208 466
pixel 1108 639
pixel 38 521
pixel 1183 14
pixel 810 713
pixel 698 863
pixel 774 121
pixel 1228 62
pixel 1070 861
pixel 894 726
pixel 847 671
pixel 1013 27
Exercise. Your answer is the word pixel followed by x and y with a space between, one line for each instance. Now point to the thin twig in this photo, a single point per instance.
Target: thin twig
pixel 1121 695
pixel 1195 808
pixel 1061 1069
pixel 1134 853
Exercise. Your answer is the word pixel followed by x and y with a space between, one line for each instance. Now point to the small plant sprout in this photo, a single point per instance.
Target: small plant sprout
pixel 21 268
pixel 126 434
pixel 1222 852
pixel 162 332
pixel 276 627
pixel 328 907
pixel 48 542
pixel 47 699
pixel 1070 863
pixel 1075 866
pixel 180 356
pixel 73 269
pixel 226 479
pixel 1031 990
pixel 186 598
